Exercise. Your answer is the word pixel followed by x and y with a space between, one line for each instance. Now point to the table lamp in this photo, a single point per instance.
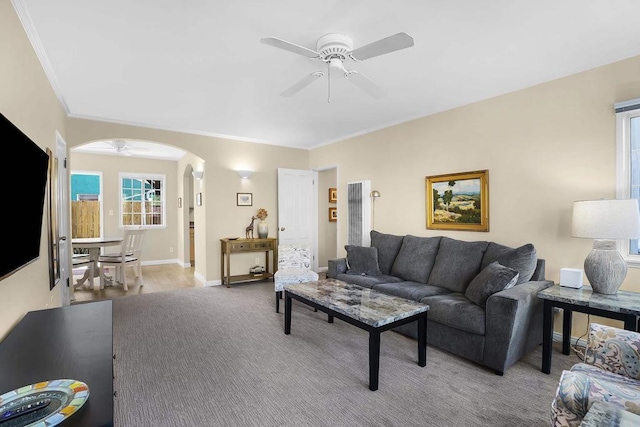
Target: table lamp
pixel 605 221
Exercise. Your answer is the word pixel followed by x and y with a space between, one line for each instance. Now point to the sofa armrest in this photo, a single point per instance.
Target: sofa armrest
pixel 336 266
pixel 613 349
pixel 513 324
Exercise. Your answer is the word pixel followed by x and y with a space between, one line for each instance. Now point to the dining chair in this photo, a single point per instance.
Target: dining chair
pixel 79 260
pixel 128 256
pixel 294 266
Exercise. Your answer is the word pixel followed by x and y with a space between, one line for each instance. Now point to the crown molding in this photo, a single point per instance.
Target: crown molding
pixel 25 18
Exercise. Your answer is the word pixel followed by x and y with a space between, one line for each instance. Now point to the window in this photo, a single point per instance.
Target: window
pixel 628 165
pixel 86 204
pixel 142 200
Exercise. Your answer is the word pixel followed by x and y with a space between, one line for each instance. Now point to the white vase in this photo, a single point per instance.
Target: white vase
pixel 263 229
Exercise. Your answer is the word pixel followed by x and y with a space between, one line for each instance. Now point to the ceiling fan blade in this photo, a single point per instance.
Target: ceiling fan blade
pixel 386 45
pixel 300 50
pixel 366 84
pixel 302 84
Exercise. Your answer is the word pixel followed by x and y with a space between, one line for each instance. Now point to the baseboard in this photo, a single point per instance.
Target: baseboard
pixel 162 261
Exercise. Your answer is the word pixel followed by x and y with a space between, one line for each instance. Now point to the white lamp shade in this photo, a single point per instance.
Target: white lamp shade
pixel 606 219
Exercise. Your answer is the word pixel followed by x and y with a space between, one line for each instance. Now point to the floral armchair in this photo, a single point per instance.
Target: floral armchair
pixel 610 373
pixel 294 266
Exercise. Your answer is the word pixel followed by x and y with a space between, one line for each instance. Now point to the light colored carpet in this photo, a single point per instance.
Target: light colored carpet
pixel 218 356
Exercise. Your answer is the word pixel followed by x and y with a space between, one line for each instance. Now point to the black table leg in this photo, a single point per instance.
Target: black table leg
pixel 422 341
pixel 374 359
pixel 287 313
pixel 567 316
pixel 547 336
pixel 630 322
pixel 330 318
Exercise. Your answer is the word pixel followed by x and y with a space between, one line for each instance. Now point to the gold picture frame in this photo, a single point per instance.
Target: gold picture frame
pixel 333 195
pixel 333 214
pixel 458 201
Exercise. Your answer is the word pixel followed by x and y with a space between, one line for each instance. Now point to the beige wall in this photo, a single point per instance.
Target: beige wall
pixel 219 216
pixel 544 147
pixel 327 231
pixel 26 99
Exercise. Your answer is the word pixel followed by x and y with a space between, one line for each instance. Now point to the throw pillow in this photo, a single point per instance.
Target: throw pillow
pixel 416 257
pixel 522 259
pixel 388 246
pixel 493 278
pixel 457 263
pixel 362 261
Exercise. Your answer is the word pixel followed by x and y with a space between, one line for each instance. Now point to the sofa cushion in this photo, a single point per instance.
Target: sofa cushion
pixel 367 281
pixel 416 257
pixel 522 259
pixel 410 290
pixel 362 260
pixel 456 311
pixel 388 246
pixel 493 278
pixel 457 263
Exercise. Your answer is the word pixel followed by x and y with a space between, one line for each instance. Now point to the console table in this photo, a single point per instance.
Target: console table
pixel 73 342
pixel 622 305
pixel 238 246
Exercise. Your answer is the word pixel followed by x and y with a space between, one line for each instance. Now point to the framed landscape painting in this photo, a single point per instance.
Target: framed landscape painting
pixel 458 201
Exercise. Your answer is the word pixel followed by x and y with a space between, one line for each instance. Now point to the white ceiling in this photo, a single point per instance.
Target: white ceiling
pixel 198 65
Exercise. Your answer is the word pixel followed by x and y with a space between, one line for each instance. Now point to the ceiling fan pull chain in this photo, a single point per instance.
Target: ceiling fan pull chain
pixel 328 83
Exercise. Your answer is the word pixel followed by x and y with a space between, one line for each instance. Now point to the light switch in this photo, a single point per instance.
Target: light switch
pixel 111 212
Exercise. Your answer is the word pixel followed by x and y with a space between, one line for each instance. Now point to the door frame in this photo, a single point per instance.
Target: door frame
pixel 338 204
pixel 64 220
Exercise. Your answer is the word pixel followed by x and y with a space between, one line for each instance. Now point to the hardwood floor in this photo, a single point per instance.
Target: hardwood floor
pixel 155 278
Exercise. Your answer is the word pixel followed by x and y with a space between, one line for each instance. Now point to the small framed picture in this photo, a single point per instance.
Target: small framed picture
pixel 179 202
pixel 333 214
pixel 199 199
pixel 333 195
pixel 244 199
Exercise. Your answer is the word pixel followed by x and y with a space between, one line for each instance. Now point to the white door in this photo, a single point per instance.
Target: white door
pixel 297 209
pixel 64 241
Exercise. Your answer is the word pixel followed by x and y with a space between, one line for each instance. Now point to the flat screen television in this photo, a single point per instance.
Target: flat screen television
pixel 23 184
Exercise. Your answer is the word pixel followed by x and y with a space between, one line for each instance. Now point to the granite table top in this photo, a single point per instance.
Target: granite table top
pixel 366 305
pixel 621 302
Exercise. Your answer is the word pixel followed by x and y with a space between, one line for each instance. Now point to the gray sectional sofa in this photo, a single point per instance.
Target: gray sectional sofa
pixel 482 296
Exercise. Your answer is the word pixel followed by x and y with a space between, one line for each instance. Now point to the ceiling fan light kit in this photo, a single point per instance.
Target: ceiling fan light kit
pixel 334 49
pixel 123 147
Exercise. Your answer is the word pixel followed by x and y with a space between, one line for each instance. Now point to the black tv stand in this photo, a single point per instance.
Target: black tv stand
pixel 73 342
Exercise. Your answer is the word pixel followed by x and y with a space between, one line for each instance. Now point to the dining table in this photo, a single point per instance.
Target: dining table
pixel 94 245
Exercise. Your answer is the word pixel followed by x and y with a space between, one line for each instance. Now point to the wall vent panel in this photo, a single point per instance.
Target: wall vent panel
pixel 359 213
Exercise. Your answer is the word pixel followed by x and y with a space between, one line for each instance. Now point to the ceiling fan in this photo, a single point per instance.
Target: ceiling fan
pixel 123 147
pixel 334 49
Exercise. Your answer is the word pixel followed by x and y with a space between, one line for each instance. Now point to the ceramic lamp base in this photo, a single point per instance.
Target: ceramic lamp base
pixel 604 267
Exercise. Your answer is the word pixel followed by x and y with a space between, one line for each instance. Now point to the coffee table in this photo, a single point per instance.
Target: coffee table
pixel 367 309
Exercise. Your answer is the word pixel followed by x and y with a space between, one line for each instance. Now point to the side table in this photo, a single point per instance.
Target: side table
pixel 234 246
pixel 622 305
